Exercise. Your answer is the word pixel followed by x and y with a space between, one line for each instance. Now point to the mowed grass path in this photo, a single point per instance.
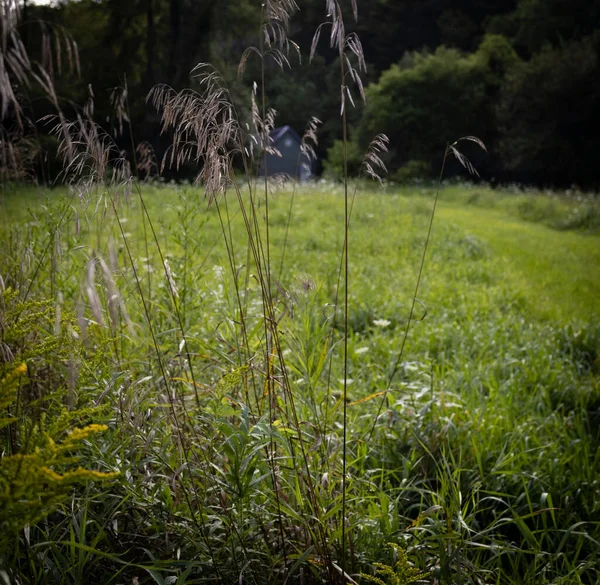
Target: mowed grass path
pixel 558 272
pixel 474 250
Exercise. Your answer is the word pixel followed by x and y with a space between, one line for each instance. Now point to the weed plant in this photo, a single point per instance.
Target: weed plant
pixel 285 388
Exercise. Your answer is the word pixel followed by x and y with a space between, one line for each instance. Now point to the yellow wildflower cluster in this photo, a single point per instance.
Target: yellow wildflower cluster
pixel 33 484
pixel 77 475
pixel 85 432
pixel 40 464
pixel 9 385
pixel 20 370
pixel 402 573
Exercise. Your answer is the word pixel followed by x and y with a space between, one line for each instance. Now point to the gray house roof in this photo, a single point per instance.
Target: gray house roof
pixel 278 133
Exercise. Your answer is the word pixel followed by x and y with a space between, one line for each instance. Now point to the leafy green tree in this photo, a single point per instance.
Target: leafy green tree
pixel 548 115
pixel 426 102
pixel 497 56
pixel 334 165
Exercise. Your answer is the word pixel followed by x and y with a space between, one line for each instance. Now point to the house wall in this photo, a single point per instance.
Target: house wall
pixel 289 148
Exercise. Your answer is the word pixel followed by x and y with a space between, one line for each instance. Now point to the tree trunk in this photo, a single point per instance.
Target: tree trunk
pixel 174 41
pixel 150 44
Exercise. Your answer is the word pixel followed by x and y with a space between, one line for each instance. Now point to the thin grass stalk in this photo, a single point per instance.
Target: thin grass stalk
pixel 258 252
pixel 266 287
pixel 333 323
pixel 265 142
pixel 272 447
pixel 346 284
pixel 174 300
pixel 163 373
pixel 146 310
pixel 162 259
pixel 272 344
pixel 147 256
pixel 270 318
pixel 253 233
pixel 137 175
pixel 242 308
pixel 45 252
pixel 257 249
pixel 288 222
pixel 341 41
pixel 414 297
pixel 310 133
pixel 228 238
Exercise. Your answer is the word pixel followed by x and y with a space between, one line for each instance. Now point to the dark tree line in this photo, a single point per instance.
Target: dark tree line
pixel 520 74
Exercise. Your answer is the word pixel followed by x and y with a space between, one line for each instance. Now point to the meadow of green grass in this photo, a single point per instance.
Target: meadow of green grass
pixel 473 445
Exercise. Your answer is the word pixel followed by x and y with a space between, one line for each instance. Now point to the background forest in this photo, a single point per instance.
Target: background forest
pixel 520 74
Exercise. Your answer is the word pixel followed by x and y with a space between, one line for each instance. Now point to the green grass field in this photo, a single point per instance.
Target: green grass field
pixel 475 449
